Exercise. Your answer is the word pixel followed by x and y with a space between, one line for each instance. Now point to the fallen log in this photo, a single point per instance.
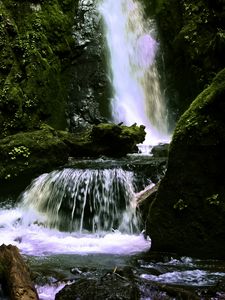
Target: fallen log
pixel 146 193
pixel 15 275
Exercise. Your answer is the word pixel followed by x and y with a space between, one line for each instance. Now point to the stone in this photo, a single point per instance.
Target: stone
pixel 160 150
pixel 110 287
pixel 29 154
pixel 15 275
pixel 187 215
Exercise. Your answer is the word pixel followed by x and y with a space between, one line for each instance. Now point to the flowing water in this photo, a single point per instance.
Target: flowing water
pixel 134 76
pixel 82 223
pixel 75 211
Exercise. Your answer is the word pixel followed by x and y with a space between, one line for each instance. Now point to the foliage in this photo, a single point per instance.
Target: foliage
pixel 20 151
pixel 213 200
pixel 180 205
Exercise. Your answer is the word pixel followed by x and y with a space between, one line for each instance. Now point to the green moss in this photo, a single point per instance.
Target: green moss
pixel 114 140
pixel 200 122
pixel 36 152
pixel 35 39
pixel 195 176
pixel 192 40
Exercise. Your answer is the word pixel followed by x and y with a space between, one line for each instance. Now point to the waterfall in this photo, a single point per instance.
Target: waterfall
pixel 135 80
pixel 83 200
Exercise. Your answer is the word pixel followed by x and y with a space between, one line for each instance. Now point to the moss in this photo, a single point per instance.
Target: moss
pixel 39 151
pixel 202 121
pixel 115 140
pixel 31 153
pixel 194 180
pixel 192 41
pixel 35 43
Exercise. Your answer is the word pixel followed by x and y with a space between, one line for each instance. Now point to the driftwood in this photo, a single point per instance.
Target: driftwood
pixel 146 193
pixel 15 275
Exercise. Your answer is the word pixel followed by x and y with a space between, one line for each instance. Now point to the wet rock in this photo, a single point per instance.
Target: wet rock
pixel 108 287
pixel 188 215
pixel 193 43
pixel 32 153
pixel 89 84
pixel 160 150
pixel 15 275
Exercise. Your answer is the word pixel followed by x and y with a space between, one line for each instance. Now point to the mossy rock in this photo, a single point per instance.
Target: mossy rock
pixel 31 153
pixel 35 43
pixel 36 152
pixel 192 39
pixel 117 140
pixel 188 213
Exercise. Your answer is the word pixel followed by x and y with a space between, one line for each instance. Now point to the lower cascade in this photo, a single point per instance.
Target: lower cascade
pixel 76 211
pixel 84 200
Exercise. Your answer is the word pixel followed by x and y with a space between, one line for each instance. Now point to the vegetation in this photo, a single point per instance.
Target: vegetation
pixel 188 213
pixel 36 152
pixel 192 38
pixel 35 43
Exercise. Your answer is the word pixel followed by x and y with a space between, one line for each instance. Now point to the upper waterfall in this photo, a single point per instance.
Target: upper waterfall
pixel 135 80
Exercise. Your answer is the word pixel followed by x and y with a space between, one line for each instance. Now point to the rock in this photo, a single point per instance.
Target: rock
pixel 32 153
pixel 15 275
pixel 193 42
pixel 188 214
pixel 116 141
pixel 111 286
pixel 89 86
pixel 36 51
pixel 160 150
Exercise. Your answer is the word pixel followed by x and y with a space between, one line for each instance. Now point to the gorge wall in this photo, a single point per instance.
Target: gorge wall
pixel 192 39
pixel 187 213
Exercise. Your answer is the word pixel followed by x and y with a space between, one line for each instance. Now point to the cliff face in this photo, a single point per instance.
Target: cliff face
pixel 192 39
pixel 187 213
pixel 52 72
pixel 36 47
pixel 89 87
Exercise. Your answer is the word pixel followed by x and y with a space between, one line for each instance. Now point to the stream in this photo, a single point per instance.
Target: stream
pixel 67 230
pixel 81 221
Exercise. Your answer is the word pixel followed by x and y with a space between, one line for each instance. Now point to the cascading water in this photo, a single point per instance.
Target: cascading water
pixel 84 200
pixel 135 80
pixel 75 211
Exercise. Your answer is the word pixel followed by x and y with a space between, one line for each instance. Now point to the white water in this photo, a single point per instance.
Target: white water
pixel 187 277
pixel 75 212
pixel 135 80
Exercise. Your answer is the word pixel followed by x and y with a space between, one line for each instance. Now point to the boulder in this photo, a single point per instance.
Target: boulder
pixel 111 286
pixel 192 40
pixel 160 150
pixel 187 215
pixel 15 275
pixel 117 140
pixel 32 153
